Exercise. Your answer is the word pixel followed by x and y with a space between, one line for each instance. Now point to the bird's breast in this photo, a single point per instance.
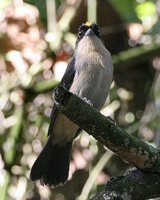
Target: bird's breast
pixel 92 78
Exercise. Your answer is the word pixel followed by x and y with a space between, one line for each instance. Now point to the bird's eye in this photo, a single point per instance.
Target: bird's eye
pixel 97 31
pixel 80 34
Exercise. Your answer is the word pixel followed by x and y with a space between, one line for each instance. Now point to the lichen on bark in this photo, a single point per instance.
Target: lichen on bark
pixel 142 155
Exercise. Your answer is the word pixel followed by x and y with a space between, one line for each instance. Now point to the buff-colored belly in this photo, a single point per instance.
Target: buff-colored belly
pixel 64 130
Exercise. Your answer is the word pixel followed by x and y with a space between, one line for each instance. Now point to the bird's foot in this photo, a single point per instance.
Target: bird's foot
pixel 88 101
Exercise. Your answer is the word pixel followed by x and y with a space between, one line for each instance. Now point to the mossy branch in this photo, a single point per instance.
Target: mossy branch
pixel 107 132
pixel 135 184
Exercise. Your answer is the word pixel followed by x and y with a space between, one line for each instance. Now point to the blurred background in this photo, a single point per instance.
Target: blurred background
pixel 37 38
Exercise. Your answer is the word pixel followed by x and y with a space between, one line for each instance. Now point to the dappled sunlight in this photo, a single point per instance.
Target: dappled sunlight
pixel 33 59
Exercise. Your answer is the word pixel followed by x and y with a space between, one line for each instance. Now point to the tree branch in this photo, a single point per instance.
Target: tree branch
pixel 134 185
pixel 106 131
pixel 135 55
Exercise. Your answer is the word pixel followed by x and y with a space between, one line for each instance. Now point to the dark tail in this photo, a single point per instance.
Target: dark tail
pixel 52 165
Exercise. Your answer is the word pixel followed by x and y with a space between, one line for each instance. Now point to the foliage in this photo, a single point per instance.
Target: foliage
pixel 126 9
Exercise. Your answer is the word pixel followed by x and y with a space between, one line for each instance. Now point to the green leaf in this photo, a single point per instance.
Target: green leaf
pixel 145 10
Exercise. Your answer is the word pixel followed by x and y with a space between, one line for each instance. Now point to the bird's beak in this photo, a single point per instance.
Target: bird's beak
pixel 89 32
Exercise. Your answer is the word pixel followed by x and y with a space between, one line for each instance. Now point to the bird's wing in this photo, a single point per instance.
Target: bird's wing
pixel 66 82
pixel 68 76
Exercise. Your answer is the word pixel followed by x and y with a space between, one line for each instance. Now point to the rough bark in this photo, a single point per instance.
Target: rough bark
pixel 134 185
pixel 105 130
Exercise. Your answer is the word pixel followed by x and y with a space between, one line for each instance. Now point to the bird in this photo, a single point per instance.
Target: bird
pixel 89 75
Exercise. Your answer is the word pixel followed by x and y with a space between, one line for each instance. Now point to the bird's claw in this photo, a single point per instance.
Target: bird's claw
pixel 88 101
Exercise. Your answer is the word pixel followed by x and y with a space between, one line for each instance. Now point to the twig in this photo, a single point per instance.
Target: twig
pixel 14 137
pixel 92 10
pixel 135 55
pixel 92 178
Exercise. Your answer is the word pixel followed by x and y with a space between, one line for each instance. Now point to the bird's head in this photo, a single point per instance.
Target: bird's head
pixel 89 38
pixel 88 29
